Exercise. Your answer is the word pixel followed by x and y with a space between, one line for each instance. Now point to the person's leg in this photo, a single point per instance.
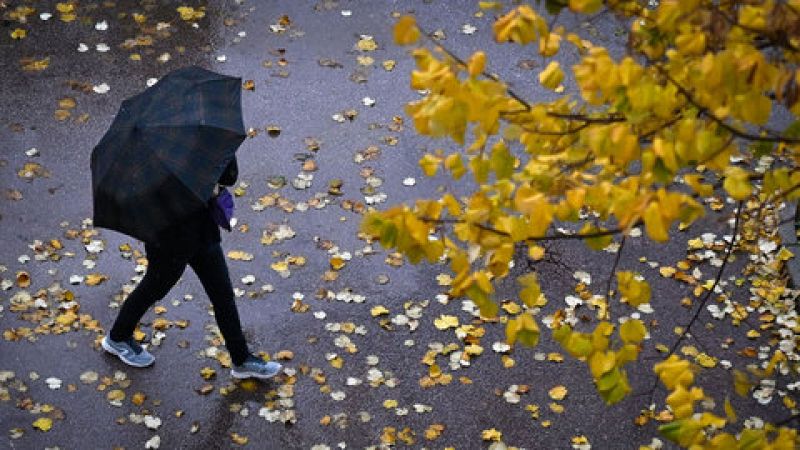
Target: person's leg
pixel 211 269
pixel 163 271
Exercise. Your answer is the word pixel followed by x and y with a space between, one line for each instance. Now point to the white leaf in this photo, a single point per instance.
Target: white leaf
pixel 152 422
pixel 154 442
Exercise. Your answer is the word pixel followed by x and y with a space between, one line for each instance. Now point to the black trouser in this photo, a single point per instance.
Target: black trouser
pixel 164 269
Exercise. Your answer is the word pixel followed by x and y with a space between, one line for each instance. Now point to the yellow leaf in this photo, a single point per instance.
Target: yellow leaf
pixel 655 224
pixel 337 263
pixel 378 311
pixel 65 8
pixel 558 392
pixel 43 423
pixel 93 279
pixel 511 308
pixel 490 5
pixel 706 361
pixel 476 63
pixel 337 362
pixel 524 329
pixel 491 434
pixel 531 293
pixel 730 413
pixel 455 165
pixel 430 164
pixel 737 183
pixel 239 255
pixel 390 403
pixel 18 33
pixel 548 45
pixel 585 6
pixel 674 371
pixel 208 373
pixel 444 322
pixel 406 31
pixel 67 318
pixel 434 431
pixel 601 362
pixel 239 439
pixel 138 399
pixel 667 271
pixel 188 13
pixel 536 252
pixel 116 395
pixel 633 289
pixel 556 408
pixel 632 331
pixel 551 76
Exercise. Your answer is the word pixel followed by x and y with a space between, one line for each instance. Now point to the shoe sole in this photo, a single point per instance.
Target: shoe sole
pixel 107 347
pixel 260 376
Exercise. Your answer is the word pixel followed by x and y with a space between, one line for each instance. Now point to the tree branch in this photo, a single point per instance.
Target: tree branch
pixel 552 237
pixel 703 110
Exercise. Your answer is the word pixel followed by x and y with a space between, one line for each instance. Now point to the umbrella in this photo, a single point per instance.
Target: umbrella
pixel 165 150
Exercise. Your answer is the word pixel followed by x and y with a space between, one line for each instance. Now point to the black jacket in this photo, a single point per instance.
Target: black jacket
pixel 198 230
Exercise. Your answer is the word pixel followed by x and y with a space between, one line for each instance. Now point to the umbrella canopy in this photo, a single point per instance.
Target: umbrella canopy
pixel 165 150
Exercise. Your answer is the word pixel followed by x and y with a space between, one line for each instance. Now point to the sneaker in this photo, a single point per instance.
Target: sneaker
pixel 254 367
pixel 130 352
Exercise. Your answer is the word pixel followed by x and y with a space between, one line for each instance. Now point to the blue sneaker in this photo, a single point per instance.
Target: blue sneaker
pixel 130 352
pixel 254 367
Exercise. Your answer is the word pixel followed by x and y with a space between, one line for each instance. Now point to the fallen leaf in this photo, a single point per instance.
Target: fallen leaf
pixel 558 392
pixel 43 424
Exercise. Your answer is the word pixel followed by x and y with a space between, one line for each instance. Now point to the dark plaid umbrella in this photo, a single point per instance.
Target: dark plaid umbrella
pixel 165 150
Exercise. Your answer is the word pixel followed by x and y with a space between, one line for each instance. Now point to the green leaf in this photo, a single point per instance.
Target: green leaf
pixel 524 329
pixel 555 6
pixel 531 294
pixel 487 307
pixel 502 161
pixel 793 130
pixel 480 169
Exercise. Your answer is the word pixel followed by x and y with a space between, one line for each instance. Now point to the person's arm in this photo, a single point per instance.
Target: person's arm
pixel 230 174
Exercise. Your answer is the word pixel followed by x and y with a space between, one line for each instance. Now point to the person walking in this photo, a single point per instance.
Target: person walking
pixel 195 242
pixel 156 175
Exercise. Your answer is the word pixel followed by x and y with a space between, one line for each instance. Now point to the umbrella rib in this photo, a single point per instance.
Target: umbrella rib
pixel 166 125
pixel 169 170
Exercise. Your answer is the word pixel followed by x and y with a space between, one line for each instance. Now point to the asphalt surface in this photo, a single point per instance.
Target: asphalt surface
pixel 303 75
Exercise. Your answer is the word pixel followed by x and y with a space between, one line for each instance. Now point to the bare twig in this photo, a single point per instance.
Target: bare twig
pixel 728 252
pixel 614 267
pixel 701 306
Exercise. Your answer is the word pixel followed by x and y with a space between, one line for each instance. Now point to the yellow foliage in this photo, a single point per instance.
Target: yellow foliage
pixel 524 329
pixel 551 76
pixel 633 289
pixel 406 31
pixel 644 142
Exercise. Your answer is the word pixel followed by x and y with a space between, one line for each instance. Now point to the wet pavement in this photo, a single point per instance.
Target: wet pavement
pixel 353 379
